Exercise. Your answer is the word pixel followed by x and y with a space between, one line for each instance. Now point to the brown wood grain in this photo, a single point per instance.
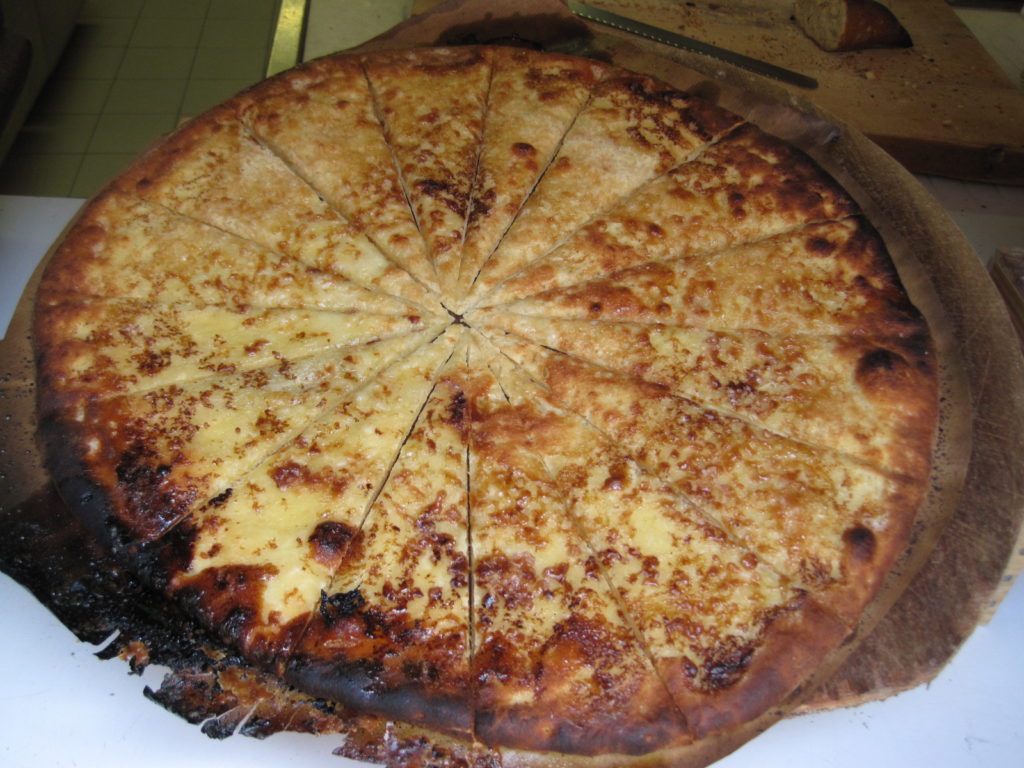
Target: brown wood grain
pixel 942 106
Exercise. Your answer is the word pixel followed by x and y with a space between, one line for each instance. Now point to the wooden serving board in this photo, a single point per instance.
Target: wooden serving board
pixel 942 107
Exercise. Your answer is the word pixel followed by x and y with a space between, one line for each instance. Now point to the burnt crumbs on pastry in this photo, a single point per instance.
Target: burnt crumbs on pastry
pixel 514 397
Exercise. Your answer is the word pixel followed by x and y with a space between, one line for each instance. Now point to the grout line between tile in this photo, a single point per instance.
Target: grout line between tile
pixel 192 68
pixel 84 163
pixel 106 101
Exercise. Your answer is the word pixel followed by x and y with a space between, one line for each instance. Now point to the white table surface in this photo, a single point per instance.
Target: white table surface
pixel 61 706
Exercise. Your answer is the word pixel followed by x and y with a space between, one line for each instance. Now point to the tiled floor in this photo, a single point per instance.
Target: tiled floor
pixel 1002 34
pixel 132 71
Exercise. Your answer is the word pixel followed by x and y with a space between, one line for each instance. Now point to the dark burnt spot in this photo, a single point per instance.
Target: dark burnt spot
pixel 228 598
pixel 135 468
pixel 664 116
pixel 150 362
pixel 221 498
pixel 723 671
pixel 534 31
pixel 736 205
pixel 483 202
pixel 433 187
pixel 878 360
pixel 459 570
pixel 454 198
pixel 439 545
pixel 557 572
pixel 640 88
pixel 496 658
pixel 289 474
pixel 172 554
pixel 609 557
pixel 329 540
pixel 815 571
pixel 237 620
pixel 219 728
pixel 292 473
pixel 268 424
pixel 650 569
pixel 578 639
pixel 510 578
pixel 522 149
pixel 231 579
pixel 147 491
pixel 880 370
pixel 918 347
pixel 256 347
pixel 341 605
pixel 378 623
pixel 616 479
pixel 456 415
pixel 821 246
pixel 860 541
pixel 740 391
pixel 257 379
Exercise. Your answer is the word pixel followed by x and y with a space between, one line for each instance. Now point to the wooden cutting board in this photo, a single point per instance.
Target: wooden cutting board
pixel 942 107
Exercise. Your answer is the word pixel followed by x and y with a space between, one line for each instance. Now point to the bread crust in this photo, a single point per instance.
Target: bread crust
pixel 850 25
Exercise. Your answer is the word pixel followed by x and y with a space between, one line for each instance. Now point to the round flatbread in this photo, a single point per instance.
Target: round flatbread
pixel 514 397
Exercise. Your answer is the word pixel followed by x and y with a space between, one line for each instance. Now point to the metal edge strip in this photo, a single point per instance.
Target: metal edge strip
pixel 289 34
pixel 674 39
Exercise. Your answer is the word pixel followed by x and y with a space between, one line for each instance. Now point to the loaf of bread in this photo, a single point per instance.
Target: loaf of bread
pixel 849 25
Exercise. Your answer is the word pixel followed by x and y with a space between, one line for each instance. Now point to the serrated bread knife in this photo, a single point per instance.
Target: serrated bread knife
pixel 689 44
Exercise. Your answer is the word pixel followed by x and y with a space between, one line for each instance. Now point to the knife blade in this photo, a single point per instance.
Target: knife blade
pixel 689 44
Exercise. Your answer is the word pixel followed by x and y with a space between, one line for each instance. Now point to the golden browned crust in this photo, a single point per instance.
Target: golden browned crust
pixel 901 377
pixel 384 665
pixel 530 545
pixel 757 679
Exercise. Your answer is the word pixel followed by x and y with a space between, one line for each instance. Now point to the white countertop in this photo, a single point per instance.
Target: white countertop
pixel 60 706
